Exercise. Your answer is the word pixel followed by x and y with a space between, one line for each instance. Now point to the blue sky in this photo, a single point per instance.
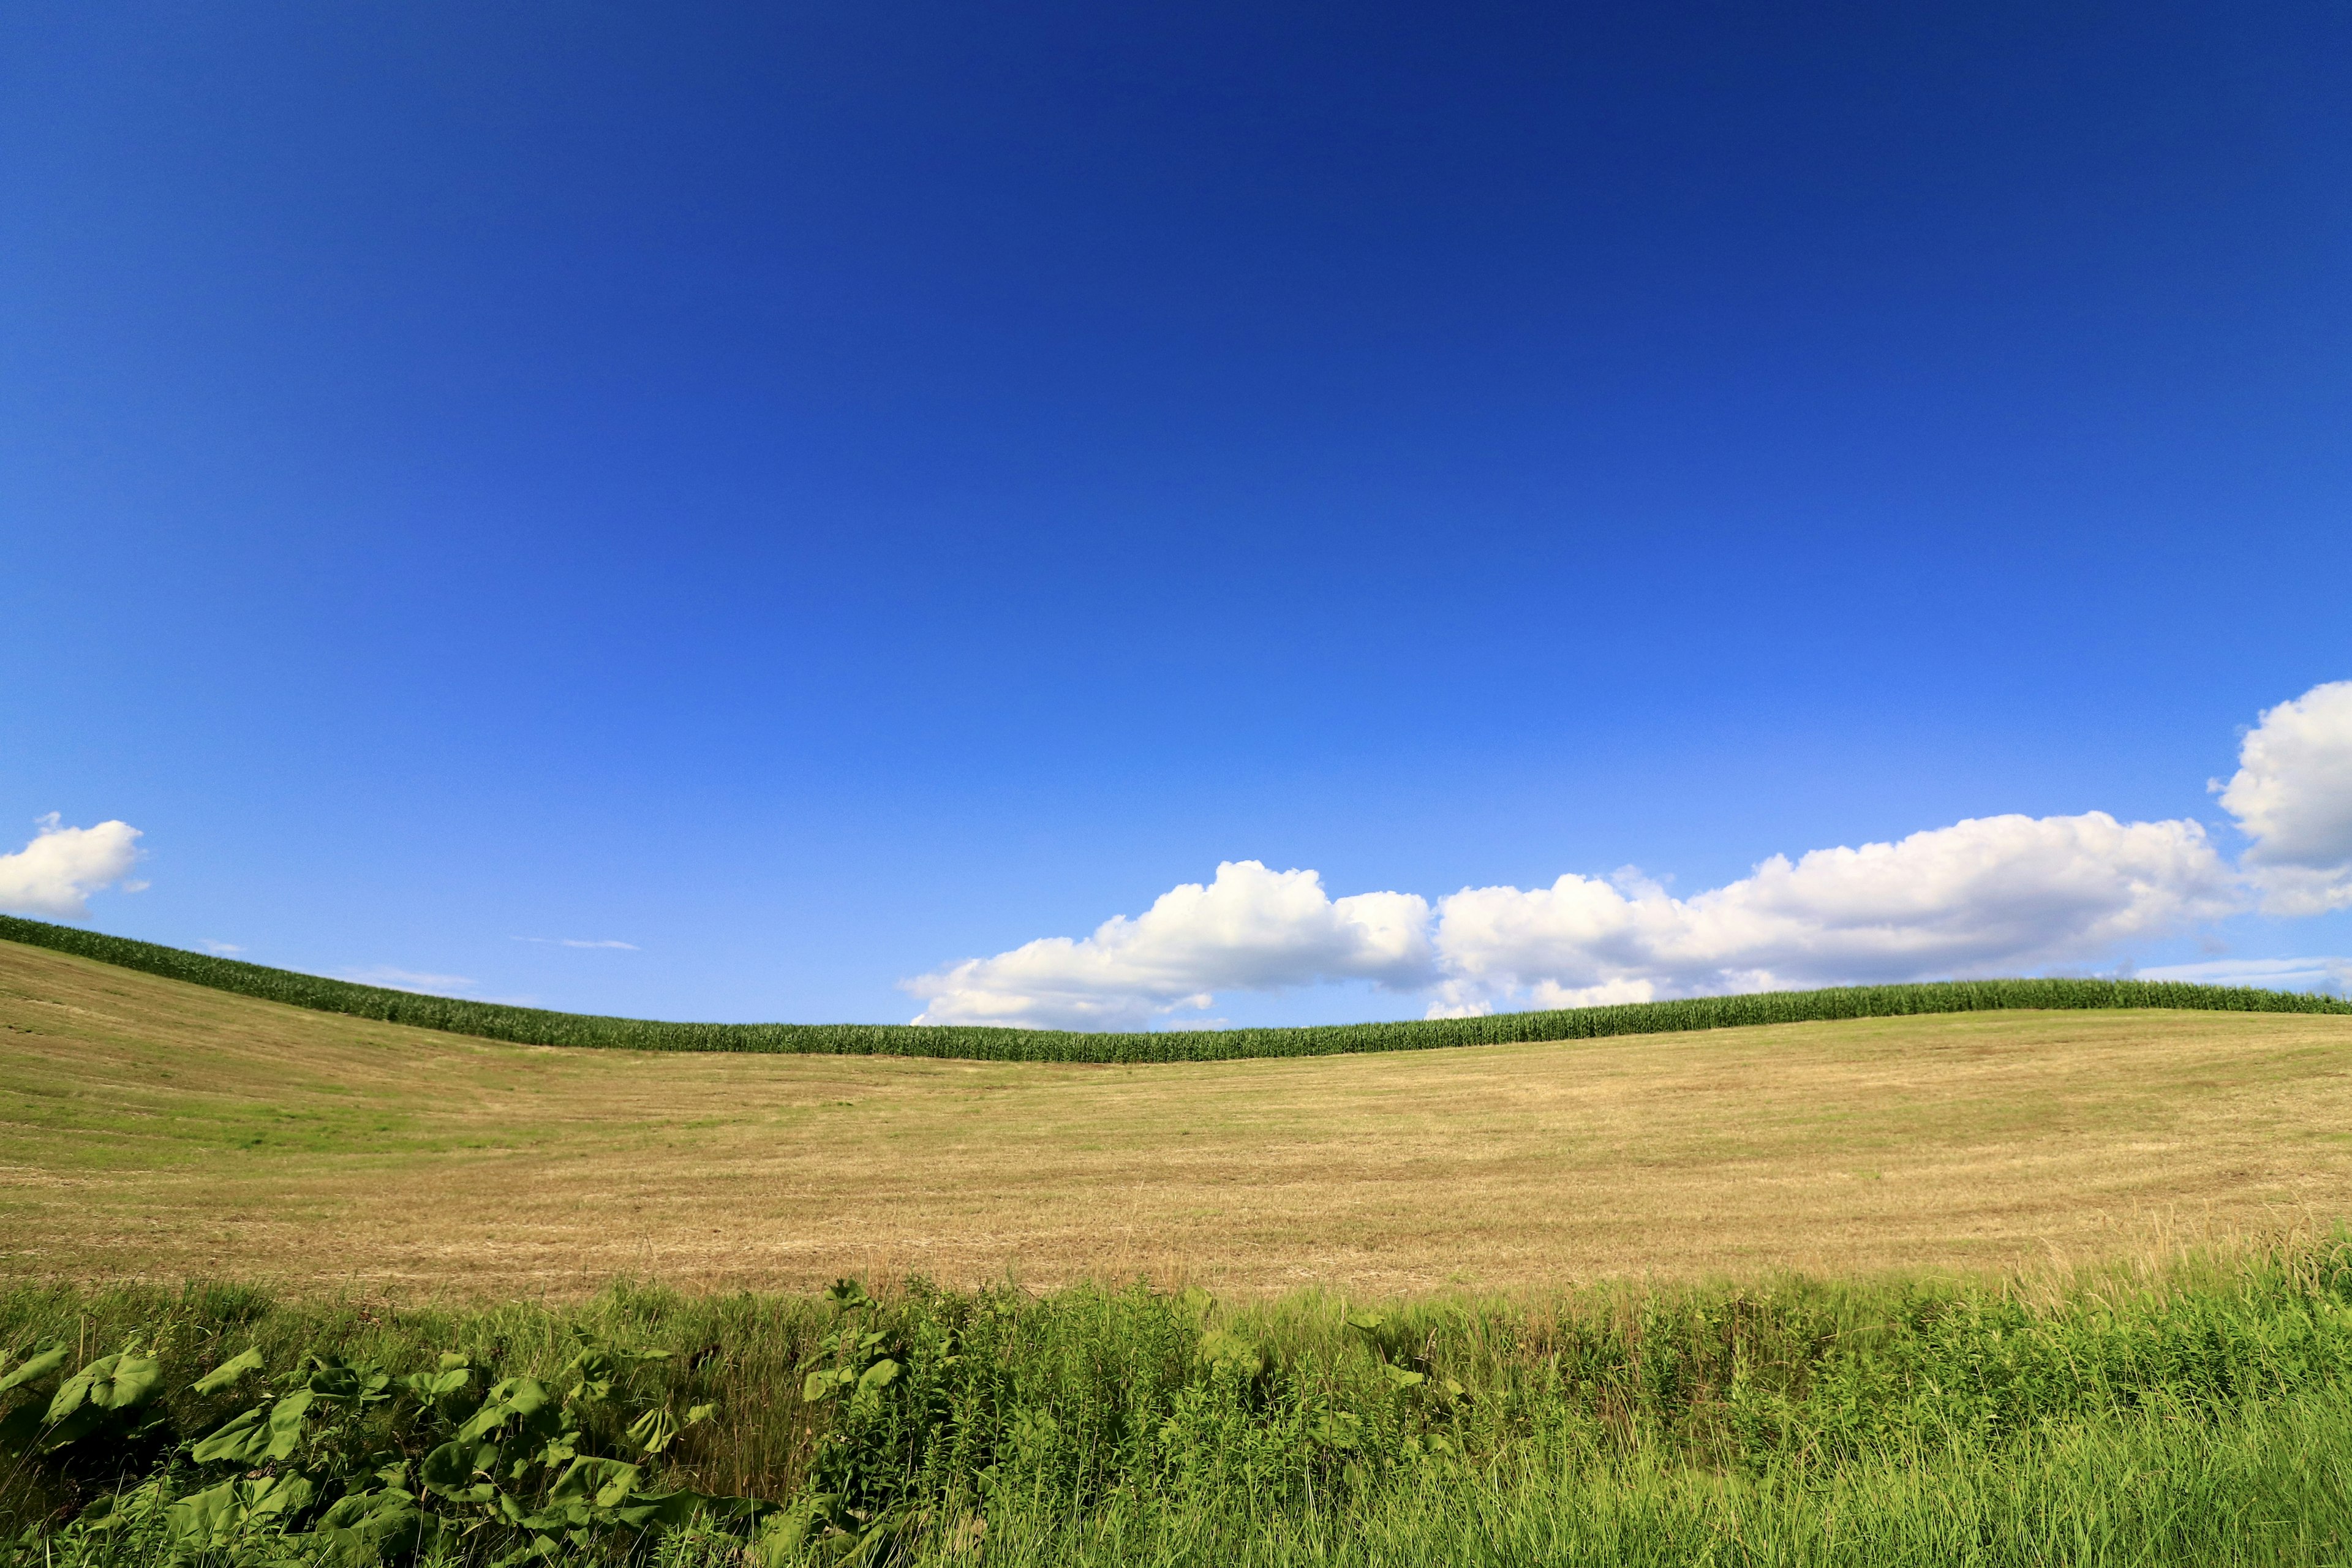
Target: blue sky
pixel 822 494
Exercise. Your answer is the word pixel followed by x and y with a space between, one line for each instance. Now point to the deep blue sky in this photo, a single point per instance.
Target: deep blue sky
pixel 818 492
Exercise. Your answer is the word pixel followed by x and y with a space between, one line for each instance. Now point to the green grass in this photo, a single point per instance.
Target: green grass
pixel 532 1026
pixel 2199 1415
pixel 2266 1487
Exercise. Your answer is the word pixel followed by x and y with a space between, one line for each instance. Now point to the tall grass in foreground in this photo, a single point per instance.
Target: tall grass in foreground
pixel 2268 1486
pixel 2202 1415
pixel 536 1026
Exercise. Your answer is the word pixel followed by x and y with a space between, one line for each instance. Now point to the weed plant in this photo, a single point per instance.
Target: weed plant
pixel 2200 1414
pixel 536 1026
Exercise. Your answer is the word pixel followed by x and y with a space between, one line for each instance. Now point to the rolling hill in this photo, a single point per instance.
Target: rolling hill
pixel 154 1127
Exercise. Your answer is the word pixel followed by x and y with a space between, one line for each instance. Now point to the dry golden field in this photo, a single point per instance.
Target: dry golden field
pixel 152 1129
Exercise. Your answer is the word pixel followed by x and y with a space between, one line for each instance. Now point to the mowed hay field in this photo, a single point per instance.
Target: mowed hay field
pixel 151 1128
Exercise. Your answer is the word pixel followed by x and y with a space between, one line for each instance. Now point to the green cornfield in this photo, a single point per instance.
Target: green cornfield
pixel 536 1026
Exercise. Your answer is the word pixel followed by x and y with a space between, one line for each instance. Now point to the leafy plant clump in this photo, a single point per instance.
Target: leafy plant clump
pixel 345 1459
pixel 536 1027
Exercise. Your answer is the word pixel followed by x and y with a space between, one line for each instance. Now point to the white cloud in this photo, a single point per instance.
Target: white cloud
pixel 2331 974
pixel 57 872
pixel 1607 994
pixel 1250 930
pixel 1997 894
pixel 224 949
pixel 1994 894
pixel 578 942
pixel 2292 795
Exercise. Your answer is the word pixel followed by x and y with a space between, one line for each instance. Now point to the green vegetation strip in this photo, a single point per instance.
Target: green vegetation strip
pixel 2201 1417
pixel 536 1026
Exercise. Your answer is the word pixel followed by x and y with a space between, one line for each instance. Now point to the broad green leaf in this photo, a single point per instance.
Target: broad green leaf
pixel 286 1424
pixel 333 1379
pixel 215 1515
pixel 487 1419
pixel 39 1364
pixel 201 1518
pixel 279 1496
pixel 821 1386
pixel 653 1431
pixel 607 1480
pixel 369 1526
pixel 514 1400
pixel 1402 1377
pixel 131 1382
pixel 525 1395
pixel 448 1467
pixel 879 1376
pixel 74 1390
pixel 433 1385
pixel 241 1438
pixel 228 1373
pixel 667 1511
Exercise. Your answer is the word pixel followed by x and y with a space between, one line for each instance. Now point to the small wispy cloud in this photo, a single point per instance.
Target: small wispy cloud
pixel 2326 974
pixel 224 949
pixel 579 941
pixel 394 979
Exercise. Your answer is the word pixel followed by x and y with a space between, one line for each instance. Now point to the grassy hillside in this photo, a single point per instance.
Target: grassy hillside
pixel 532 1026
pixel 158 1130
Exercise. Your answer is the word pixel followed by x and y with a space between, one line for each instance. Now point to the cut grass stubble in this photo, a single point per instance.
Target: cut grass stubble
pixel 151 1129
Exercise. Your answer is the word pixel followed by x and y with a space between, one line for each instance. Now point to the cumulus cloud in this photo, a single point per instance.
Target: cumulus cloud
pixel 1250 930
pixel 57 872
pixel 1995 894
pixel 2292 796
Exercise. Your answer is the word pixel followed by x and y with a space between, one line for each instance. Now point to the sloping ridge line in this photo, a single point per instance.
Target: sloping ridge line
pixel 536 1027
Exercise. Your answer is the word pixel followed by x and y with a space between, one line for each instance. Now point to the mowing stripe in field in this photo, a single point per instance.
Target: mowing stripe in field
pixel 538 1026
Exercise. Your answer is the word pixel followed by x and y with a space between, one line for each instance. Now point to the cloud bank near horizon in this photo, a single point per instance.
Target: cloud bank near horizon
pixel 1987 895
pixel 57 872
